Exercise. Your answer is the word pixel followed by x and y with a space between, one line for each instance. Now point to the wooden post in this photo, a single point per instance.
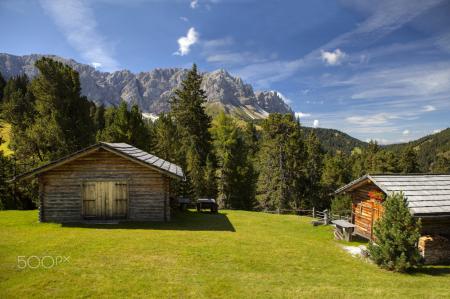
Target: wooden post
pixel 325 217
pixel 314 212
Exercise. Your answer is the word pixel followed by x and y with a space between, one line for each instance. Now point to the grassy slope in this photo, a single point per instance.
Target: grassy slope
pixel 5 130
pixel 198 255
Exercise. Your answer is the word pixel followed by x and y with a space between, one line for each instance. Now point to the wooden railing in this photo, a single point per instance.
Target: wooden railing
pixel 323 217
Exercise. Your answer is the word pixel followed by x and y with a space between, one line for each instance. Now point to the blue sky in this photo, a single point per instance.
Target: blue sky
pixel 373 69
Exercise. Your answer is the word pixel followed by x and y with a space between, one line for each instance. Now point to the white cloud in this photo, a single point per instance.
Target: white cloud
pixel 333 58
pixel 379 140
pixel 184 19
pixel 185 42
pixel 96 64
pixel 215 44
pixel 315 123
pixel 406 132
pixel 194 4
pixel 283 97
pixel 371 120
pixel 428 108
pixel 76 20
pixel 384 17
pixel 437 131
pixel 302 115
pixel 233 58
pixel 264 73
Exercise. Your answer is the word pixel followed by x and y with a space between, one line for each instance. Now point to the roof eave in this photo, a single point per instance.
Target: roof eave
pixel 86 151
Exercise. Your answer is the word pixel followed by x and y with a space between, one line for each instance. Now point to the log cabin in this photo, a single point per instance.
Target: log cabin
pixel 427 196
pixel 106 181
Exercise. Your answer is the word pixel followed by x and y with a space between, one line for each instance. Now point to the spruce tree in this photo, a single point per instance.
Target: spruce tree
pixel 99 118
pixel 62 123
pixel 408 161
pixel 2 86
pixel 396 235
pixel 188 111
pixel 128 126
pixel 441 164
pixel 234 170
pixel 282 158
pixel 210 178
pixel 336 172
pixel 166 139
pixel 314 166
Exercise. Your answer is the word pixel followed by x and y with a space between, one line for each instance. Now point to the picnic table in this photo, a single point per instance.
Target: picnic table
pixel 207 203
pixel 343 230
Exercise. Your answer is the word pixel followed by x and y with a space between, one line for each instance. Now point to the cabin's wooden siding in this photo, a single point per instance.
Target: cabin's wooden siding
pixel 61 187
pixel 436 226
pixel 364 210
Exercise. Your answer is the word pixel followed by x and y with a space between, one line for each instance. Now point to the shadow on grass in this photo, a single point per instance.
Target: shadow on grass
pixel 432 270
pixel 187 220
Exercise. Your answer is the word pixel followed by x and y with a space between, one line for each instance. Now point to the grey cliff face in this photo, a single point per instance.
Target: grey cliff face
pixel 272 101
pixel 151 90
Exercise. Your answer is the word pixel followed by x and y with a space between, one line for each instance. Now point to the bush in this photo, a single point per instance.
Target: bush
pixel 396 236
pixel 341 205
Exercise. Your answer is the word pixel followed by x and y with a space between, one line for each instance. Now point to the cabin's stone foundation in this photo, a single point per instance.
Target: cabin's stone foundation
pixel 435 249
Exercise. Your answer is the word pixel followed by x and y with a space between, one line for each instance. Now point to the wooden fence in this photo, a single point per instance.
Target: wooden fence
pixel 322 217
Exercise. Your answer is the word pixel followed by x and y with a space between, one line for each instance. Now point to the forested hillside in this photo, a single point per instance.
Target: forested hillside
pixel 272 164
pixel 432 150
pixel 333 140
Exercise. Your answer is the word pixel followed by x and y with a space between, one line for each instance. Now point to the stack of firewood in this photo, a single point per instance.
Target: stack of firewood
pixel 434 249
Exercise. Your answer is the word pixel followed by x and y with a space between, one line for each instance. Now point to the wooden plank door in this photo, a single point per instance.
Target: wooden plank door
pixel 89 200
pixel 105 199
pixel 120 199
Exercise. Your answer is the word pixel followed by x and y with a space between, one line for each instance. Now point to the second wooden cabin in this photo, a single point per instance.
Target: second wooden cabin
pixel 428 199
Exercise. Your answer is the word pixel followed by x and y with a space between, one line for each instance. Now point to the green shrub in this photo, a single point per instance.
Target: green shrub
pixel 341 205
pixel 396 236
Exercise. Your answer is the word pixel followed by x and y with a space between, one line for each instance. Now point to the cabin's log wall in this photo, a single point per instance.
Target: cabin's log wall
pixel 62 187
pixel 364 210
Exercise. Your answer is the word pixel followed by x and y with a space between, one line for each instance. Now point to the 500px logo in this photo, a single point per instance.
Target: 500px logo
pixel 46 262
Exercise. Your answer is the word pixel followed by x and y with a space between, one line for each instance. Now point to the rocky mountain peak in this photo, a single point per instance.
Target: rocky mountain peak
pixel 152 90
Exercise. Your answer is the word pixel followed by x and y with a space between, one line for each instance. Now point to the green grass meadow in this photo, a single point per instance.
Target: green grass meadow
pixel 234 254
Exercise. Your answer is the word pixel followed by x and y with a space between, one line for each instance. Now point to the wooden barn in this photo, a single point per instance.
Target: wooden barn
pixel 106 181
pixel 428 198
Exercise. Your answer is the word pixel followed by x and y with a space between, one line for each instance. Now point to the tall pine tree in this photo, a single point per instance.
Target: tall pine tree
pixel 314 166
pixel 62 124
pixel 235 169
pixel 282 160
pixel 408 161
pixel 187 108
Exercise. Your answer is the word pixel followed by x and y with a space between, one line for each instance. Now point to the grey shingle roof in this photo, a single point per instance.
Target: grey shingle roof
pixel 124 149
pixel 425 193
pixel 145 157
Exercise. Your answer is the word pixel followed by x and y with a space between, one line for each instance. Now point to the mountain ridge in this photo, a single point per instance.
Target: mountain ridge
pixel 152 90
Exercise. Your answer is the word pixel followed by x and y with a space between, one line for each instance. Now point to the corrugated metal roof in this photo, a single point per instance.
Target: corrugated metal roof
pixel 145 157
pixel 425 193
